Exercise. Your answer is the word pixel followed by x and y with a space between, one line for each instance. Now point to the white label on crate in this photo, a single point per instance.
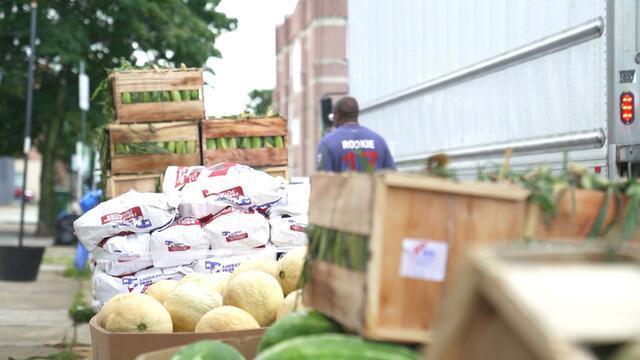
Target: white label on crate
pixel 424 259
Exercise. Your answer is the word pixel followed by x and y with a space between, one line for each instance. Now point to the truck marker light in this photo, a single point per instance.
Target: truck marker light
pixel 627 107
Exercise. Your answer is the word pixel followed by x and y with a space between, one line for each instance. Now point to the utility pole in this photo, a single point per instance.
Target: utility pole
pixel 27 126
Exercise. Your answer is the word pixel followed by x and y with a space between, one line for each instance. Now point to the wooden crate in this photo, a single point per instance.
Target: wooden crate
pixel 120 184
pixel 391 209
pixel 228 128
pixel 282 171
pixel 569 302
pixel 157 80
pixel 147 163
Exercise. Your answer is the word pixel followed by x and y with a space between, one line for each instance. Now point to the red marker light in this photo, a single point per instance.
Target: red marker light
pixel 627 110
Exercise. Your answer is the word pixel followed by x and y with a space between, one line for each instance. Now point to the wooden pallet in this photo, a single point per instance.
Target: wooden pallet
pixel 392 209
pixel 282 171
pixel 552 303
pixel 157 80
pixel 228 128
pixel 120 184
pixel 152 132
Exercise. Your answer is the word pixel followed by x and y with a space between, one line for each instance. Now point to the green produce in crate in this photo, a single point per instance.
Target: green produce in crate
pixel 195 95
pixel 211 144
pixel 233 143
pixel 299 323
pixel 185 95
pixel 127 149
pixel 156 96
pixel 191 147
pixel 120 149
pixel 269 142
pixel 208 349
pixel 223 144
pixel 175 95
pixel 125 97
pixel 180 147
pixel 256 142
pixel 166 96
pixel 336 346
pixel 279 141
pixel 135 97
pixel 245 143
pixel 171 146
pixel 146 96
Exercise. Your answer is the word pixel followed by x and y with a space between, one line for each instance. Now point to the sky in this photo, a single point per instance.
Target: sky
pixel 248 54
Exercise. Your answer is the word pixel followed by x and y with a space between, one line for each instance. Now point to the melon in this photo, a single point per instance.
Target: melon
pixel 138 313
pixel 106 308
pixel 226 318
pixel 257 293
pixel 188 302
pixel 290 268
pixel 266 265
pixel 161 289
pixel 291 303
pixel 206 280
pixel 222 278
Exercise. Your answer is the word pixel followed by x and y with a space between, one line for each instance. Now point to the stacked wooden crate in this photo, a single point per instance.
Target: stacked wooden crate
pixel 257 142
pixel 157 125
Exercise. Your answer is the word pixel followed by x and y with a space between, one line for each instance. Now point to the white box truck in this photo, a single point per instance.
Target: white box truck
pixel 472 78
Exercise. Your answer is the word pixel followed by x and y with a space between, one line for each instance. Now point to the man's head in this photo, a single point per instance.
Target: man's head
pixel 345 111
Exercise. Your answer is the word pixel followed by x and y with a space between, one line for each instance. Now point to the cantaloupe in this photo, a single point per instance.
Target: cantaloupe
pixel 188 302
pixel 106 308
pixel 222 279
pixel 138 313
pixel 290 268
pixel 291 303
pixel 161 289
pixel 257 293
pixel 206 280
pixel 266 265
pixel 226 318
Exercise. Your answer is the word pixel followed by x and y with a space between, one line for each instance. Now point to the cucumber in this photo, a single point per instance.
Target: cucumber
pixel 195 95
pixel 191 147
pixel 156 96
pixel 146 96
pixel 175 95
pixel 299 323
pixel 279 141
pixel 245 143
pixel 336 346
pixel 166 96
pixel 222 143
pixel 120 149
pixel 125 97
pixel 185 95
pixel 135 97
pixel 233 143
pixel 256 142
pixel 269 142
pixel 208 349
pixel 127 148
pixel 211 144
pixel 171 146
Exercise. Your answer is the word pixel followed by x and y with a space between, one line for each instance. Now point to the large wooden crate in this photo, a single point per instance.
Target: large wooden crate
pixel 152 132
pixel 281 171
pixel 120 184
pixel 560 302
pixel 393 210
pixel 131 81
pixel 230 128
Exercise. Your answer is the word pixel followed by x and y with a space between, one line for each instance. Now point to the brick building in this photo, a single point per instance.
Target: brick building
pixel 311 63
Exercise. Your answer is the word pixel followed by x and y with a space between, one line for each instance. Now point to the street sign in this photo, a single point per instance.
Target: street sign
pixel 83 86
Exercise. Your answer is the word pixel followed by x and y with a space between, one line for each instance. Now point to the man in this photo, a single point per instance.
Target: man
pixel 352 147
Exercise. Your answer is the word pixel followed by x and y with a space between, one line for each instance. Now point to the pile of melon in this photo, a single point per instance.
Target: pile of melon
pixel 256 294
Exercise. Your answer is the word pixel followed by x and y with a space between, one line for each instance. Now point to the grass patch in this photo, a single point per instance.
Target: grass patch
pixel 66 354
pixel 79 311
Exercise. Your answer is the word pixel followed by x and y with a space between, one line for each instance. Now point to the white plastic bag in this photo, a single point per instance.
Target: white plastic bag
pixel 237 229
pixel 106 286
pixel 228 261
pixel 230 184
pixel 130 212
pixel 180 243
pixel 176 177
pixel 289 231
pixel 294 202
pixel 123 254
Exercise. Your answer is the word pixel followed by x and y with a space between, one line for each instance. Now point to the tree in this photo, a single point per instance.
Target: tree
pixel 259 102
pixel 100 32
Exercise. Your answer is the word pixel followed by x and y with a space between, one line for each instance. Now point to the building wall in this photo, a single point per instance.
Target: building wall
pixel 311 63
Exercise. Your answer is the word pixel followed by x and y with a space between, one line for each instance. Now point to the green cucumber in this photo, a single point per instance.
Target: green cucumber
pixel 191 147
pixel 166 96
pixel 223 144
pixel 135 97
pixel 336 346
pixel 269 142
pixel 185 95
pixel 279 141
pixel 125 97
pixel 245 143
pixel 171 146
pixel 156 96
pixel 146 96
pixel 195 95
pixel 180 147
pixel 299 323
pixel 175 95
pixel 127 148
pixel 208 349
pixel 120 149
pixel 233 143
pixel 211 144
pixel 256 142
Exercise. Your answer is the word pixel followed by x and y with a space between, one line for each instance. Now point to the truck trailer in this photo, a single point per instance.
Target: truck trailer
pixel 549 79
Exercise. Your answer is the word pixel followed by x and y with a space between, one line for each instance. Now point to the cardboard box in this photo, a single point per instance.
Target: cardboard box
pixel 127 346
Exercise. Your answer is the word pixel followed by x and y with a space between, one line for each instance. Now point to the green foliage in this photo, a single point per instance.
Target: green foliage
pixel 79 311
pixel 259 102
pixel 101 33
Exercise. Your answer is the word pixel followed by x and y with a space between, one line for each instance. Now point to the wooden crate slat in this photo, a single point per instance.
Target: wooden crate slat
pixel 165 131
pixel 151 112
pixel 282 171
pixel 250 157
pixel 152 162
pixel 221 128
pixel 119 184
pixel 163 80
